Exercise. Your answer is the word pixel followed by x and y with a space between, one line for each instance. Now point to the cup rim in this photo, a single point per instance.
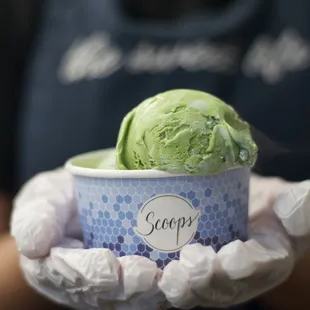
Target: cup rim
pixel 120 174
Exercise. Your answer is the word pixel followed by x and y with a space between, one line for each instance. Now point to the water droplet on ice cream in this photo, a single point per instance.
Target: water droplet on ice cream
pixel 244 155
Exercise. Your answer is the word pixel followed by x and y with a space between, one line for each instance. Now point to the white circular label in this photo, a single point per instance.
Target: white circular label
pixel 167 223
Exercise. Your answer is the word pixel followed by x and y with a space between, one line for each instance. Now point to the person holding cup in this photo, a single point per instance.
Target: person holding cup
pixel 73 102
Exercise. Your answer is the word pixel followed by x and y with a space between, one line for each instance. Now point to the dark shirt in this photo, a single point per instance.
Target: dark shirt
pixel 90 63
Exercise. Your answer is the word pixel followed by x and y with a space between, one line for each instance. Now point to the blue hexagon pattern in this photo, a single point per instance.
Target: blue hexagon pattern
pixel 109 207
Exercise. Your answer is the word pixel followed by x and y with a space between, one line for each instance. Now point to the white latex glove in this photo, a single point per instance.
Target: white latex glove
pixel 45 226
pixel 279 234
pixel 44 222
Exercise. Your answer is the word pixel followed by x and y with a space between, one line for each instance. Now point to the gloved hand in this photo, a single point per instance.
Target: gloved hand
pixel 240 271
pixel 46 228
pixel 44 224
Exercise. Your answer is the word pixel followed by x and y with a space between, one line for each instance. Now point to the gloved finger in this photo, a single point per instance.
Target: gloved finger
pixel 264 191
pixel 293 209
pixel 138 289
pixel 41 213
pixel 139 274
pixel 176 287
pixel 200 262
pixel 207 281
pixel 197 279
pixel 80 269
pixel 74 273
pixel 95 275
pixel 261 263
pixel 35 277
pixel 36 274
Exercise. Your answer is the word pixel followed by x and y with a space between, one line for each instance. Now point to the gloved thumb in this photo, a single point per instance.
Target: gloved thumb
pixel 293 209
pixel 41 213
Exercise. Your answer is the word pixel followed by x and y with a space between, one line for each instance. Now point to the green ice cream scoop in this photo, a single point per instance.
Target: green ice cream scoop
pixel 184 131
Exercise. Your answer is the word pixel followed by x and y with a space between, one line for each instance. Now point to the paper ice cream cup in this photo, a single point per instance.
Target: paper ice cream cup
pixel 153 213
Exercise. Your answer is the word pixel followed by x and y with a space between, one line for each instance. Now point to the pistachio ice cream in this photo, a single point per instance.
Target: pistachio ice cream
pixel 184 131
